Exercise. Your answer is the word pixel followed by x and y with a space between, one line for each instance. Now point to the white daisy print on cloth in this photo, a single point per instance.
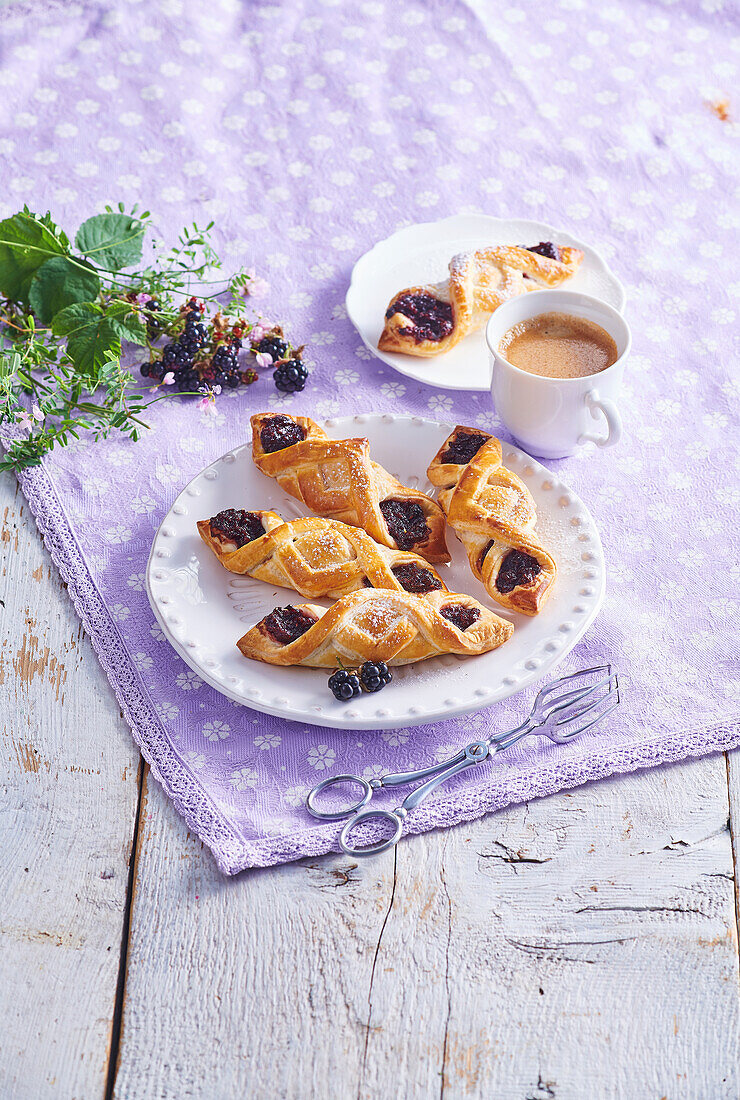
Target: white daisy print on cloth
pixel 143 661
pixel 243 778
pixel 395 737
pixel 137 582
pixel 295 796
pixel 216 730
pixel 168 711
pixel 321 757
pixel 196 760
pixel 267 741
pixel 143 505
pixel 187 680
pixel 117 534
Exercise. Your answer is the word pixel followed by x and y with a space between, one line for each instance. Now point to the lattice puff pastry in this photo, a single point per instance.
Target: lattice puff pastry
pixel 429 320
pixel 337 478
pixel 493 514
pixel 316 557
pixel 375 626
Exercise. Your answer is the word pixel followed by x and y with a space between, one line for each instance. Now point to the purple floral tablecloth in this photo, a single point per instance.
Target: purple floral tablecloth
pixel 309 131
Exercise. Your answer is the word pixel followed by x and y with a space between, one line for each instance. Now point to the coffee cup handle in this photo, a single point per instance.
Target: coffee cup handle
pixel 610 411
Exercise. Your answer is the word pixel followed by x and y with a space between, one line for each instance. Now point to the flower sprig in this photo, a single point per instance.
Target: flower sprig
pixel 68 312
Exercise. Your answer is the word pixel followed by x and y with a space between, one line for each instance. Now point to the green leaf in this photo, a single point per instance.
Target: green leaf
pixel 126 322
pixel 26 242
pixel 90 335
pixel 59 283
pixel 111 240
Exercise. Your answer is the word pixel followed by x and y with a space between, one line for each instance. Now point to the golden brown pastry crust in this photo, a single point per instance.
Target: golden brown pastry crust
pixel 487 504
pixel 316 557
pixel 337 478
pixel 477 285
pixel 394 627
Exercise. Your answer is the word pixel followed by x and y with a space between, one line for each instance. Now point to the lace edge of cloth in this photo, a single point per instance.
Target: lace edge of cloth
pixel 231 852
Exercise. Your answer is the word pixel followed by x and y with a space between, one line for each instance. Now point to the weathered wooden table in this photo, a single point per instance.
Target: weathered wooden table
pixel 583 946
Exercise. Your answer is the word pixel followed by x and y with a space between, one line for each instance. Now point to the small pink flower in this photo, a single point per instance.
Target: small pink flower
pixel 259 329
pixel 256 287
pixel 143 299
pixel 263 359
pixel 217 390
pixel 169 379
pixel 24 420
pixel 36 413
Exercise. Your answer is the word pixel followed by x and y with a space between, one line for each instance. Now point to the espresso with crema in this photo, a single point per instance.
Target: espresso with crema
pixel 559 345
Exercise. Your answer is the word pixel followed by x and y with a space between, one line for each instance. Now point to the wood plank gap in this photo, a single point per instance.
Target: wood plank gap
pixel 733 845
pixel 115 1037
pixel 448 992
pixel 361 1081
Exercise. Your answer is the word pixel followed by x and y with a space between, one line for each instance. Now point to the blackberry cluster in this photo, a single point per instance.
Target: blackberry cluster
pixel 273 345
pixel 375 675
pixel 290 375
pixel 347 683
pixel 226 367
pixel 203 358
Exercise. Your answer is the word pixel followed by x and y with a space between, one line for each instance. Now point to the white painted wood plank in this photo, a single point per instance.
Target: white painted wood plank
pixel 607 966
pixel 69 778
pixel 580 946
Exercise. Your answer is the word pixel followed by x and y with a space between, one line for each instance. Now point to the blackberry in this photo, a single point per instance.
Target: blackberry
pixel 219 378
pixel 157 370
pixel 233 380
pixel 189 343
pixel 144 370
pixel 375 675
pixel 273 346
pixel 290 376
pixel 223 359
pixel 187 381
pixel 169 354
pixel 345 685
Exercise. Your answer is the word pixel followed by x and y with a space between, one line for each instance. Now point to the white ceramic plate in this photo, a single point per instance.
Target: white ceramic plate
pixel 203 609
pixel 420 254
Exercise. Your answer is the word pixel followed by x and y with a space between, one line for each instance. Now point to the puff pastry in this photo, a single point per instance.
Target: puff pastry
pixel 429 320
pixel 337 478
pixel 493 514
pixel 394 627
pixel 314 556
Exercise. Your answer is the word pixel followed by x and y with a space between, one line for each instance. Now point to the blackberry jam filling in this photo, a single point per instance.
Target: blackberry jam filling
pixel 285 624
pixel 406 522
pixel 463 447
pixel 431 319
pixel 415 579
pixel 280 432
pixel 516 568
pixel 459 615
pixel 236 525
pixel 545 248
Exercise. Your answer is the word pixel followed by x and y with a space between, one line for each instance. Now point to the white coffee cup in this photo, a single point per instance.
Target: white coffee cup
pixel 551 417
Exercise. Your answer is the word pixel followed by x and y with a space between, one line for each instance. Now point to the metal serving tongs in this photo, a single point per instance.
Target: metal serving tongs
pixel 562 710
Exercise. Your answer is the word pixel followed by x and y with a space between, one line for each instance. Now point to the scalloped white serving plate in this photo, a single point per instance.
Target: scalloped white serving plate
pixel 203 609
pixel 420 254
